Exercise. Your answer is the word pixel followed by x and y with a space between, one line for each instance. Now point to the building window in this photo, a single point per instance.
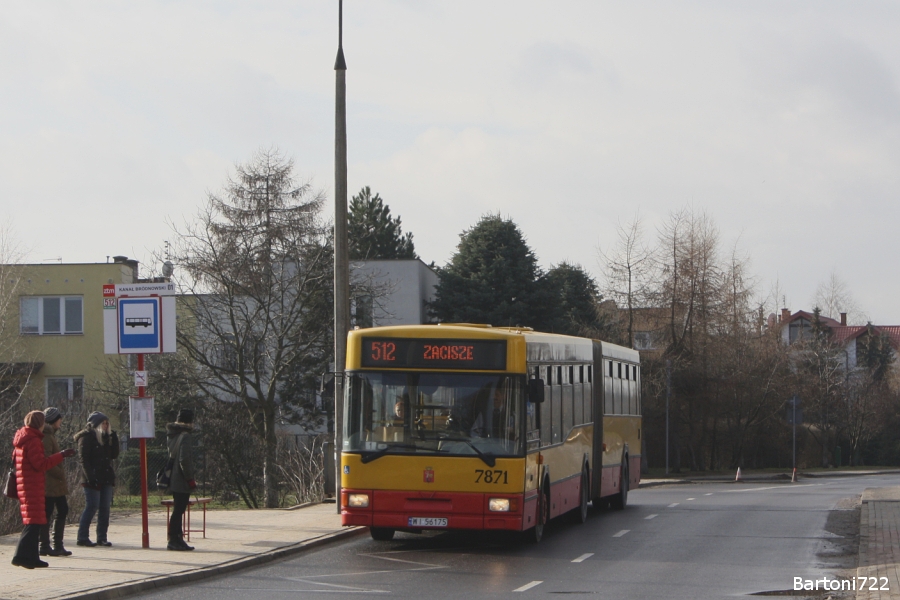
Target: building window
pixel 643 340
pixel 51 315
pixel 64 389
pixel 799 330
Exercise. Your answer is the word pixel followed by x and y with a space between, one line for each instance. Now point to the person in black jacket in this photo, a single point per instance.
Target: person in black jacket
pixel 98 446
pixel 179 441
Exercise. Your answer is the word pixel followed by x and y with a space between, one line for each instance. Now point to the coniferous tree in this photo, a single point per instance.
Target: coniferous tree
pixel 372 231
pixel 576 302
pixel 875 353
pixel 493 278
pixel 257 264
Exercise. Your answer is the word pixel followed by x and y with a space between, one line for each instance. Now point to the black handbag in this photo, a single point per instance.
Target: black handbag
pixel 164 477
pixel 10 487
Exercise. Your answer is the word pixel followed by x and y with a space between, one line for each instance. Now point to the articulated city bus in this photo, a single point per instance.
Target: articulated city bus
pixel 458 426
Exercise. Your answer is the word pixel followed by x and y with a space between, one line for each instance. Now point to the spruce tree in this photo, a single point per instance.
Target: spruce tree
pixel 493 278
pixel 373 233
pixel 576 302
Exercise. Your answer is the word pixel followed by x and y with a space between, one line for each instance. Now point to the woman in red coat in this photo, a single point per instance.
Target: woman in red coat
pixel 30 467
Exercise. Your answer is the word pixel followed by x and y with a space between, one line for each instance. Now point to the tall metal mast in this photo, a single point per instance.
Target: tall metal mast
pixel 341 259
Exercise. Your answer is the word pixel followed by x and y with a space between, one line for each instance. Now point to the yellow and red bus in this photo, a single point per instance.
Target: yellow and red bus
pixel 458 426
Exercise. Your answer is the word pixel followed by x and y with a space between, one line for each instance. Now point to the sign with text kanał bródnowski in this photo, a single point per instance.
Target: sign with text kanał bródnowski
pixel 139 318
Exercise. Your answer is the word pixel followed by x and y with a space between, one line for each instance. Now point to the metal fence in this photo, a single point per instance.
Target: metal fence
pixel 233 481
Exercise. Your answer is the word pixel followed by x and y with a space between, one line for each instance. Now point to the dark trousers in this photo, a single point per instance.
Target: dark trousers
pixel 27 548
pixel 61 506
pixel 181 502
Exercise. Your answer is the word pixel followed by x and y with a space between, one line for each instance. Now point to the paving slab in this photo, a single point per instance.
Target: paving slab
pixel 879 545
pixel 234 539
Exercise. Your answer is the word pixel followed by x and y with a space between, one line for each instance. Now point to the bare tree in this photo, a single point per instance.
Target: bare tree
pixel 834 297
pixel 257 265
pixel 626 268
pixel 16 366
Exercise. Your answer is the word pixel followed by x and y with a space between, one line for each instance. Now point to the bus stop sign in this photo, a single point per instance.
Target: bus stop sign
pixel 139 325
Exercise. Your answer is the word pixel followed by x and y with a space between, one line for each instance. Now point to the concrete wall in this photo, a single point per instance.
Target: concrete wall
pixel 400 287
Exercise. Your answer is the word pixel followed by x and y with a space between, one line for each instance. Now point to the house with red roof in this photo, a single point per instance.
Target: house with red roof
pixel 798 326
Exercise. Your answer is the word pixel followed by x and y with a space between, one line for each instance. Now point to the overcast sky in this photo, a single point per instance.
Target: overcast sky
pixel 779 119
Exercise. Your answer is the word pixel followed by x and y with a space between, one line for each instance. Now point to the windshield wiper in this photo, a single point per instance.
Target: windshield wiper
pixel 488 457
pixel 367 458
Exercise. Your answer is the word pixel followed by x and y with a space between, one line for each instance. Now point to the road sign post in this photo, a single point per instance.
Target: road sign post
pixel 139 318
pixel 794 416
pixel 145 525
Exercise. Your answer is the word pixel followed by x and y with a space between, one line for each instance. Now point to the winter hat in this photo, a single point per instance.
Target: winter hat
pixel 96 418
pixel 52 415
pixel 185 415
pixel 35 419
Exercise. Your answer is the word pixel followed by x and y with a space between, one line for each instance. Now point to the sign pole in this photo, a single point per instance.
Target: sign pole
pixel 145 526
pixel 341 252
pixel 794 426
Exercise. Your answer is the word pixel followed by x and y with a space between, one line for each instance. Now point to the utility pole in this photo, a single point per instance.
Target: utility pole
pixel 668 395
pixel 341 260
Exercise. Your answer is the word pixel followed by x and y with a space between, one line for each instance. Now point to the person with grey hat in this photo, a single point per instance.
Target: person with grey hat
pixel 55 489
pixel 182 482
pixel 98 447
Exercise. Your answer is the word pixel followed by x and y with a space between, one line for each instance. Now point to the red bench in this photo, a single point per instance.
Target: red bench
pixel 186 519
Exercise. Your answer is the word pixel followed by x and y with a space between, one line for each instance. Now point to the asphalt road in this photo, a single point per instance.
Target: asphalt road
pixel 714 540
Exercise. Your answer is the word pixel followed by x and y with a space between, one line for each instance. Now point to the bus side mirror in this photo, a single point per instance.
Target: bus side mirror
pixel 536 391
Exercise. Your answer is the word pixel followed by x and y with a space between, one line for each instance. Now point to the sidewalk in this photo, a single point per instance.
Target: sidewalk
pixel 234 539
pixel 879 543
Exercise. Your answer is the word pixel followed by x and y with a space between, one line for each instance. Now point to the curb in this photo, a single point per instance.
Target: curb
pixel 776 478
pixel 161 581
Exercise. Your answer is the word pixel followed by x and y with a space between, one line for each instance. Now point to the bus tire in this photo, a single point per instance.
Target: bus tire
pixel 620 500
pixel 381 534
pixel 581 514
pixel 542 517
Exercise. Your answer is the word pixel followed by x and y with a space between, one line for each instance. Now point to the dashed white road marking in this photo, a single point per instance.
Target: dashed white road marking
pixel 312 591
pixel 774 487
pixel 583 557
pixel 621 533
pixel 709 494
pixel 673 505
pixel 528 586
pixel 648 517
pixel 691 498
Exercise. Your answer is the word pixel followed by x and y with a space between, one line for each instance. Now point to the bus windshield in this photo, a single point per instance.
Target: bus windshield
pixel 434 413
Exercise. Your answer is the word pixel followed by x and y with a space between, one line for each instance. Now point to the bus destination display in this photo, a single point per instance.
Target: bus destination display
pixel 434 353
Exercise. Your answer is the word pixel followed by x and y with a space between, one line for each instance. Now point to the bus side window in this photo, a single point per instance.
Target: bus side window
pixel 567 402
pixel 556 412
pixel 578 399
pixel 546 409
pixel 626 387
pixel 608 392
pixel 635 392
pixel 589 397
pixel 637 384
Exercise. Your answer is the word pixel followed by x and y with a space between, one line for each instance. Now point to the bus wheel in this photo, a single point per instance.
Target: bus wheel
pixel 582 514
pixel 543 515
pixel 620 500
pixel 381 534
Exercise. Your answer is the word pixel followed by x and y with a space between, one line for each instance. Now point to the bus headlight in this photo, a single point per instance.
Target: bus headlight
pixel 498 504
pixel 358 500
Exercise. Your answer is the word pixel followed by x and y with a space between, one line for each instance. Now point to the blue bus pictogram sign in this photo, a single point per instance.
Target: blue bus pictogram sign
pixel 139 326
